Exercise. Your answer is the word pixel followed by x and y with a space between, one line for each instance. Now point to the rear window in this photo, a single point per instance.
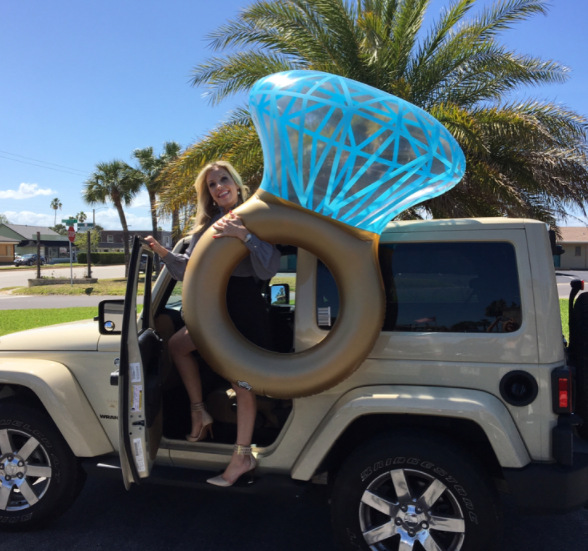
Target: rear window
pixel 441 287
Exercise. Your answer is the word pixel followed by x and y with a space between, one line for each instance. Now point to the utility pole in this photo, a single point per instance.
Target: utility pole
pixel 38 255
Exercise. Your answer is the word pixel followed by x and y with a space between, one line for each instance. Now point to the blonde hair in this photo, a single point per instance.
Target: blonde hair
pixel 206 208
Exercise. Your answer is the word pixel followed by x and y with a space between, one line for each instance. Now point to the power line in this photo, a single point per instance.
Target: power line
pixel 41 164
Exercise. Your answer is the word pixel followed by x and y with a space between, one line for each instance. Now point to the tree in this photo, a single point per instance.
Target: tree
pixel 150 167
pixel 61 229
pixel 3 219
pixel 81 217
pixel 55 205
pixel 81 241
pixel 524 158
pixel 118 183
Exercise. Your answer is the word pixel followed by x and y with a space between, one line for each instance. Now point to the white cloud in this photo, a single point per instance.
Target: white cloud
pixel 107 217
pixel 138 222
pixel 25 191
pixel 141 200
pixel 28 218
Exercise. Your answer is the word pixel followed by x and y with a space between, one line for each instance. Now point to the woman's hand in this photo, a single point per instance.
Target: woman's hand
pixel 156 247
pixel 230 225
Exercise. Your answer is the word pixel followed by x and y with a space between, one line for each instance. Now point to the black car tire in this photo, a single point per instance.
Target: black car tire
pixel 39 475
pixel 416 487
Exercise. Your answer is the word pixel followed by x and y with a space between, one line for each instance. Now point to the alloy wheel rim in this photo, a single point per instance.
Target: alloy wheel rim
pixel 408 509
pixel 25 470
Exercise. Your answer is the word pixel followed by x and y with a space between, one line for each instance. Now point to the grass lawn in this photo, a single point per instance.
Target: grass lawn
pixel 563 308
pixel 12 321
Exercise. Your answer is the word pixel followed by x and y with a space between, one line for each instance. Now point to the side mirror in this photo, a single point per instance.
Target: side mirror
pixel 280 294
pixel 110 317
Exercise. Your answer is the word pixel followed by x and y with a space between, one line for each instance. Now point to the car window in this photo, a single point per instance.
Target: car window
pixel 441 287
pixel 174 300
pixel 327 297
pixel 286 274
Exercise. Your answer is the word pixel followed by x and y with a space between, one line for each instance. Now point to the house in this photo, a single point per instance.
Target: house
pixel 7 249
pixel 53 245
pixel 574 241
pixel 112 240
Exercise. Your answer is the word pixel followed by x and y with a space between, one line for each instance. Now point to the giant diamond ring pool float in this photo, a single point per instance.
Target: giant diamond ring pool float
pixel 341 159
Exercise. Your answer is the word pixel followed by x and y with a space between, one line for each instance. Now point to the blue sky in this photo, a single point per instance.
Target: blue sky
pixel 89 82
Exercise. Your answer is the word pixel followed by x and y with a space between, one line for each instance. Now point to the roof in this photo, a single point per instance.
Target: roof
pixel 8 240
pixel 574 235
pixel 441 224
pixel 30 232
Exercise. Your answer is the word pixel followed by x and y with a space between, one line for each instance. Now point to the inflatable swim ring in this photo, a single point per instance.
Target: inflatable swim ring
pixel 341 159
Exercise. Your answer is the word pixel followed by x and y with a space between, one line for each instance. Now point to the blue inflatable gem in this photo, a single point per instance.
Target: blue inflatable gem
pixel 349 151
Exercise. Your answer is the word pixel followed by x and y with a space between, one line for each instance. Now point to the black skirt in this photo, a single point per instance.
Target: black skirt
pixel 249 310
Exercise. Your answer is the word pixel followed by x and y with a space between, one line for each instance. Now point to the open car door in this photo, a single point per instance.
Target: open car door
pixel 139 380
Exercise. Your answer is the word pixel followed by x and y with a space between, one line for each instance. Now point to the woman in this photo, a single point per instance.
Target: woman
pixel 220 189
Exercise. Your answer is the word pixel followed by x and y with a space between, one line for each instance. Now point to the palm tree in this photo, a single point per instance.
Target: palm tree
pixel 118 183
pixel 150 167
pixel 524 158
pixel 170 154
pixel 55 205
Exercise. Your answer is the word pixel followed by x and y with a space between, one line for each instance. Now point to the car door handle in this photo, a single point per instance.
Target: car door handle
pixel 114 378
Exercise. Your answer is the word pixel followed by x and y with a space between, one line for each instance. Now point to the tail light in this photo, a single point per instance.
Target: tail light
pixel 561 390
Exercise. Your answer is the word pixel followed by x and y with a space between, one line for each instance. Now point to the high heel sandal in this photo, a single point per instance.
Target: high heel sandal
pixel 239 450
pixel 206 425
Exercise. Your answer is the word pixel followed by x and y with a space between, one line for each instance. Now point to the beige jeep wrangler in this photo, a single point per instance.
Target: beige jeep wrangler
pixel 467 391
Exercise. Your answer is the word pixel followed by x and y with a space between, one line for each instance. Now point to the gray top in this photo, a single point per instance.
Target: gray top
pixel 262 262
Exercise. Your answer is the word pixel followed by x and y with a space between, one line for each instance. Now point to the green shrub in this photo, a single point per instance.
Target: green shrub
pixel 103 259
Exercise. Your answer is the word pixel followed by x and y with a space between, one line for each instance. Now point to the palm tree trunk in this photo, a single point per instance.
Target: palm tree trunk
pixel 123 222
pixel 153 205
pixel 176 233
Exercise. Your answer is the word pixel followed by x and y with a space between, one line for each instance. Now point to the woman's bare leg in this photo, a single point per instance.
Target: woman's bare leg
pixel 181 347
pixel 246 412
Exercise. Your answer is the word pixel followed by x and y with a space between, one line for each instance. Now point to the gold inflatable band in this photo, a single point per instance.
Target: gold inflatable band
pixel 351 256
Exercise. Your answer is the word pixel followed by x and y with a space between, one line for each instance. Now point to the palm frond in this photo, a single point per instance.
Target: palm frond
pixel 236 73
pixel 524 158
pixel 235 141
pixel 501 15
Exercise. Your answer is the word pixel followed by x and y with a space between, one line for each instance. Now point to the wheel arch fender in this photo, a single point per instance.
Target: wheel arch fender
pixel 480 408
pixel 64 400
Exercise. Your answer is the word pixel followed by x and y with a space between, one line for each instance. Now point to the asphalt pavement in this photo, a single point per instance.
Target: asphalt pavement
pixel 564 277
pixel 152 517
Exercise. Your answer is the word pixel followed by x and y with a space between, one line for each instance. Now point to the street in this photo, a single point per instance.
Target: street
pixel 564 277
pixel 19 277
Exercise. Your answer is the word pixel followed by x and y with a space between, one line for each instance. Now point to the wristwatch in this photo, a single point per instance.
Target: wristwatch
pixel 247 238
